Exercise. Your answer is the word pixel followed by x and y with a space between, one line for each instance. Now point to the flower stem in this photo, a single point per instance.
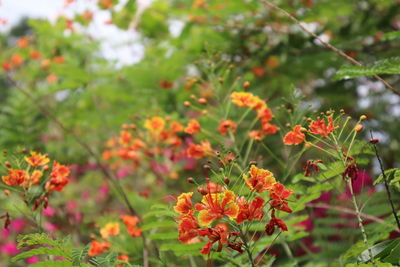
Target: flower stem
pixel 360 222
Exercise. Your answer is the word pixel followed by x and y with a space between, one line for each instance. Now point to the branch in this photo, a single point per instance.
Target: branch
pixel 327 45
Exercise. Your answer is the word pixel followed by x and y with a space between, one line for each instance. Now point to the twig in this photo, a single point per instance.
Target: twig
pixel 350 211
pixel 327 45
pixel 386 183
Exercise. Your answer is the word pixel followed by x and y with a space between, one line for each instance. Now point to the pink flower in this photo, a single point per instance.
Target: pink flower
pixel 9 248
pixel 32 260
pixel 51 227
pixel 49 211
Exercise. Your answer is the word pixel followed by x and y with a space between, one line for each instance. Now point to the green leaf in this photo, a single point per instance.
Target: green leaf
pixel 164 223
pixel 391 36
pixel 395 172
pixel 385 66
pixel 39 251
pixel 164 236
pixel 79 254
pixel 182 249
pixel 35 239
pixel 53 264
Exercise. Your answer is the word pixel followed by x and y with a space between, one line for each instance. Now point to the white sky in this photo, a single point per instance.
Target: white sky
pixel 123 46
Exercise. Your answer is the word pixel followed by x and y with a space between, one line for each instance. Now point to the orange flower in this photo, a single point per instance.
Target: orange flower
pixel 58 178
pixel 184 203
pixel 131 225
pixel 176 127
pixel 244 99
pixel 59 59
pixel 125 137
pixel 215 206
pixel 23 42
pixel 265 114
pixel 7 66
pixel 122 257
pixel 250 210
pixel 52 78
pixel 319 126
pixel 260 180
pixel 188 229
pixel 268 128
pixel 15 177
pixel 35 55
pixel 279 194
pixel 110 229
pixel 33 179
pixel 36 159
pixel 217 234
pixel 256 135
pixel 294 137
pixel 155 125
pixel 16 60
pixel 193 127
pixel 199 151
pixel 226 125
pixel 97 248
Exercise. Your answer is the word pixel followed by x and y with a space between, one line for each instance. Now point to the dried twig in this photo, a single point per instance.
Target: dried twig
pixel 327 45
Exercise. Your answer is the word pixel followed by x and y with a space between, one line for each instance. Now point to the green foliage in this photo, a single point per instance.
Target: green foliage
pixel 392 176
pixel 384 66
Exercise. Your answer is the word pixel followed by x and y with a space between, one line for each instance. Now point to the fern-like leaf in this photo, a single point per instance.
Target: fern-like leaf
pixel 79 254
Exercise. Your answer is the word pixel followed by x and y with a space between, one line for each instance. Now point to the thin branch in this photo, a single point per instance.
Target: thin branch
pixel 386 183
pixel 350 211
pixel 327 45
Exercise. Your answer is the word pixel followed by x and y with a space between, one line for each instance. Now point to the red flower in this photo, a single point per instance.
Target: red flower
pixel 265 115
pixel 256 135
pixel 215 205
pixel 270 227
pixel 36 159
pixel 199 151
pixel 193 127
pixel 260 180
pixel 184 203
pixel 217 234
pixel 319 126
pixel 58 178
pixel 97 248
pixel 227 125
pixel 279 194
pixel 15 177
pixel 188 229
pixel 131 225
pixel 351 171
pixel 294 137
pixel 250 211
pixel 268 128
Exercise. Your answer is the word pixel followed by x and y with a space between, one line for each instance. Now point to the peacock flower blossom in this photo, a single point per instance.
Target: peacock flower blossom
pixel 110 229
pixel 36 159
pixel 269 128
pixel 131 223
pixel 199 151
pixel 184 203
pixel 319 127
pixel 215 206
pixel 295 137
pixel 270 227
pixel 125 137
pixel 260 180
pixel 265 114
pixel 34 178
pixel 245 99
pixel 250 210
pixel 217 234
pixel 227 125
pixel 176 127
pixel 155 125
pixel 16 60
pixel 193 127
pixel 15 177
pixel 278 195
pixel 188 229
pixel 256 135
pixel 58 178
pixel 97 248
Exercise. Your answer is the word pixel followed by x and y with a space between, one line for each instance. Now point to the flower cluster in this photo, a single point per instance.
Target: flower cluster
pixel 37 165
pixel 264 113
pixel 316 127
pixel 220 213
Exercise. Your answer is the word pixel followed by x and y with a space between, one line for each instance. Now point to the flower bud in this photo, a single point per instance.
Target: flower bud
pixel 8 164
pixel 202 101
pixel 358 128
pixel 190 180
pixel 252 163
pixel 186 104
pixel 363 117
pixel 374 141
pixel 226 180
pixel 246 84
